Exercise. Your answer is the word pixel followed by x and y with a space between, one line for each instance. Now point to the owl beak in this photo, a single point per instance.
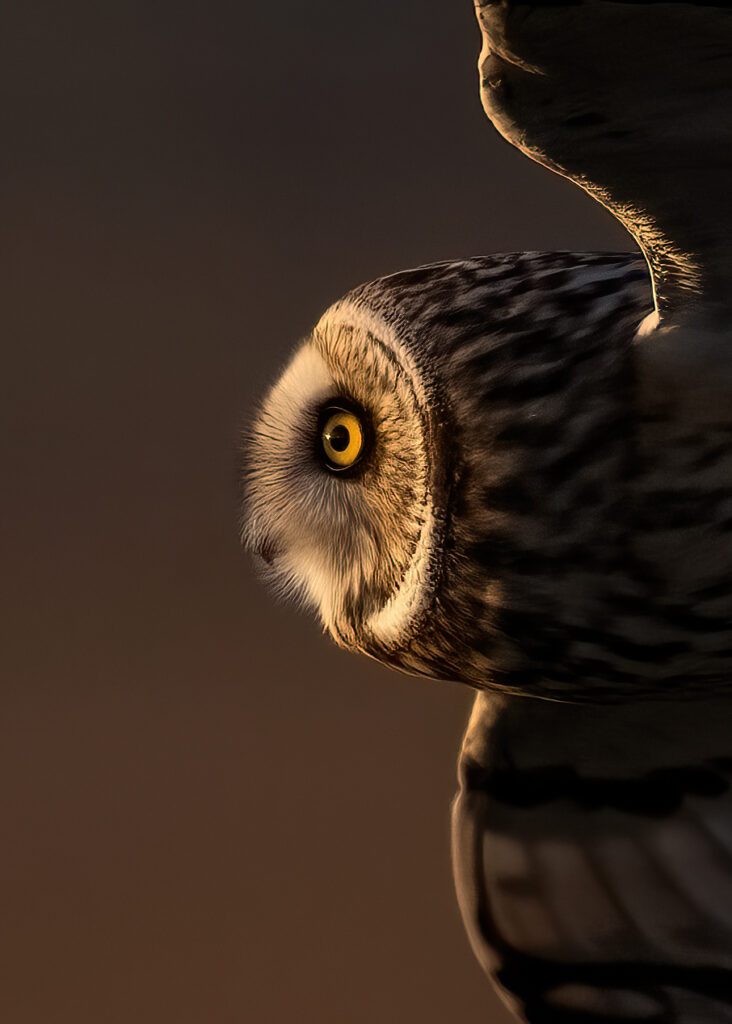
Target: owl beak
pixel 266 549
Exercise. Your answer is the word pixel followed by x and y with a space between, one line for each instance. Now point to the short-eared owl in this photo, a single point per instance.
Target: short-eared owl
pixel 516 471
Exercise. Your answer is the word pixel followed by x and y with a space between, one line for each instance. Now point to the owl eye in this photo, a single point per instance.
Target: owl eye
pixel 342 437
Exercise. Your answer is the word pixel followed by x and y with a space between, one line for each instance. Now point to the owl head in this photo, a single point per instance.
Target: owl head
pixel 347 476
pixel 397 476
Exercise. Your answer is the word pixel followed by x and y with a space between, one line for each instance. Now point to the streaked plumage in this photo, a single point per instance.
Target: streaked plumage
pixel 542 509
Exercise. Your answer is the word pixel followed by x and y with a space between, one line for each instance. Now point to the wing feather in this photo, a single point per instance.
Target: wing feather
pixel 583 904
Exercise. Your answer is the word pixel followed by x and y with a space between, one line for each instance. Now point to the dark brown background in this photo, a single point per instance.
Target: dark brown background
pixel 209 814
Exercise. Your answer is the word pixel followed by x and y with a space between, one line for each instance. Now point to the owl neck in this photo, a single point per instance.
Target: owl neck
pixel 679 210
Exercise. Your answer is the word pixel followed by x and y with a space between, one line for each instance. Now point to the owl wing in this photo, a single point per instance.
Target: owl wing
pixel 577 88
pixel 592 852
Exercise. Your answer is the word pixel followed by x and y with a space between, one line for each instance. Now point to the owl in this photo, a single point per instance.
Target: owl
pixel 515 471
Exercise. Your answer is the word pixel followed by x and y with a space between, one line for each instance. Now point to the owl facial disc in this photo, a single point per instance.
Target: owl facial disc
pixel 340 503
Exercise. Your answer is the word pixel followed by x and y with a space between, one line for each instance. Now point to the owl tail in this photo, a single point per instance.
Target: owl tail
pixel 592 852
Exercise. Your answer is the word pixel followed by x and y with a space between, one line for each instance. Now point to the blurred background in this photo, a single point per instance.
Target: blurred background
pixel 208 813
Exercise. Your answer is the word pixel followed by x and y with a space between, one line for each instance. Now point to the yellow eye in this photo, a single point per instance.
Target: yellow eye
pixel 342 438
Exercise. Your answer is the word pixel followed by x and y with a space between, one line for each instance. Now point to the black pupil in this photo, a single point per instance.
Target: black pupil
pixel 339 438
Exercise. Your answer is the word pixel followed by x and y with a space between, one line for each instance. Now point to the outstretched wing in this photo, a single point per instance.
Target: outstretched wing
pixel 593 858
